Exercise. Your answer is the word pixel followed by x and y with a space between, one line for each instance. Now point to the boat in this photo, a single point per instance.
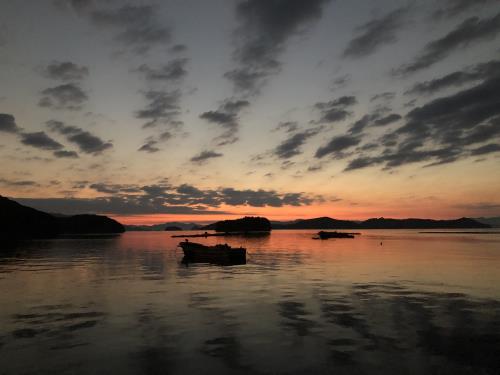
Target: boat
pixel 325 235
pixel 218 254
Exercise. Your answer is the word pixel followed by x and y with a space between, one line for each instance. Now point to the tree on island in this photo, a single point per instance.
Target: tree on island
pixel 246 224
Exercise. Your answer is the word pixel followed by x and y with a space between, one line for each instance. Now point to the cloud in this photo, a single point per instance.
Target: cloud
pixel 389 119
pixel 110 206
pixel 189 190
pixel 363 122
pixel 166 199
pixel 443 130
pixel 340 82
pixel 335 110
pixel 261 198
pixel 77 5
pixel 292 146
pixel 89 143
pixel 486 149
pixel 219 117
pixel 360 162
pixel 165 136
pixel 385 96
pixel 8 123
pixel 86 142
pixel 376 118
pixel 478 72
pixel 204 156
pixel 115 188
pixel 151 143
pixel 162 108
pixel 376 33
pixel 136 26
pixel 178 48
pixel 227 116
pixel 18 183
pixel 480 206
pixel 149 146
pixel 265 26
pixel 337 145
pixel 68 96
pixel 173 71
pixel 65 71
pixel 314 168
pixel 288 126
pixel 448 117
pixel 66 154
pixel 452 8
pixel 471 30
pixel 40 140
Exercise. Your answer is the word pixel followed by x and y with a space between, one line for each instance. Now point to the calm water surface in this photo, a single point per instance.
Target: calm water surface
pixel 417 304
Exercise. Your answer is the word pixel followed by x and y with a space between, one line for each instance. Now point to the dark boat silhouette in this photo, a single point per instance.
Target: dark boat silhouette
pixel 218 254
pixel 325 235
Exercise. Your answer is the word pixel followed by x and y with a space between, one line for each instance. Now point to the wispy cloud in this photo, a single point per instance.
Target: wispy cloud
pixel 376 33
pixel 87 142
pixel 8 123
pixel 471 30
pixel 203 156
pixel 69 96
pixel 264 29
pixel 65 71
pixel 227 116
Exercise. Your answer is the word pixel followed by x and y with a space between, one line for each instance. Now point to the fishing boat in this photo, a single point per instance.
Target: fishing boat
pixel 325 235
pixel 220 254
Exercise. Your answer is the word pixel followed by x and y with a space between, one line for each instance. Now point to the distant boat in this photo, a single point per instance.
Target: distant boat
pixel 219 254
pixel 325 235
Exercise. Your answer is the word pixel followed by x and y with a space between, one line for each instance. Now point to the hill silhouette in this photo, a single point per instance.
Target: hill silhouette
pixel 172 228
pixel 161 227
pixel 20 222
pixel 245 224
pixel 316 223
pixel 381 223
pixel 493 221
pixel 89 224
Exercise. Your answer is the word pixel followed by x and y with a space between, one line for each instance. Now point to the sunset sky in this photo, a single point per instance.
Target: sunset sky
pixel 195 110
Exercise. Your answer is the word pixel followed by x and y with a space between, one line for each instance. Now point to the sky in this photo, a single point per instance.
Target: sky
pixel 195 110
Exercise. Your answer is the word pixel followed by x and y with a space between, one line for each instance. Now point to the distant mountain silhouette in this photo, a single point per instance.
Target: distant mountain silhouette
pixel 18 221
pixel 161 227
pixel 246 224
pixel 383 223
pixel 380 223
pixel 172 228
pixel 316 223
pixel 493 221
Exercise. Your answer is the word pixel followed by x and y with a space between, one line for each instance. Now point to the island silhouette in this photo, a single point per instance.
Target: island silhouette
pixel 21 222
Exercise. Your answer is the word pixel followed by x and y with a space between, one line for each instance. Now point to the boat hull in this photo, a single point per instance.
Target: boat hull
pixel 219 254
pixel 325 235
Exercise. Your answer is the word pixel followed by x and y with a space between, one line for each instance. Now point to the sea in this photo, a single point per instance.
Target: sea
pixel 385 302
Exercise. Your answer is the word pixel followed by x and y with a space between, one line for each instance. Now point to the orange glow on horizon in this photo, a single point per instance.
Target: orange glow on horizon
pixel 289 213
